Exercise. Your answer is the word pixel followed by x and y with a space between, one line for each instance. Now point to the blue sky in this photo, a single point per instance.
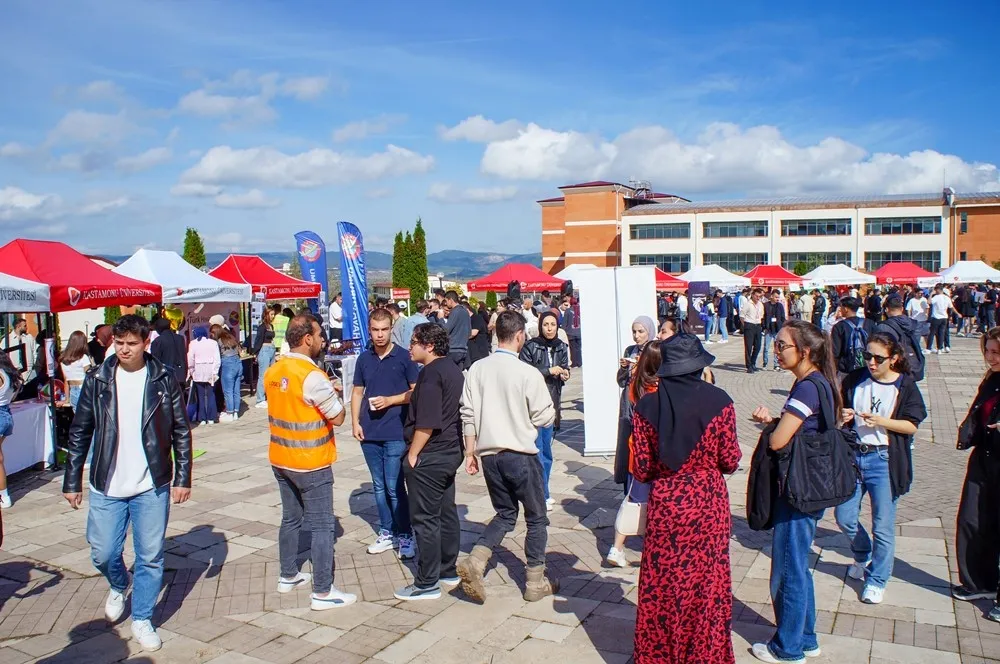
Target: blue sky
pixel 121 122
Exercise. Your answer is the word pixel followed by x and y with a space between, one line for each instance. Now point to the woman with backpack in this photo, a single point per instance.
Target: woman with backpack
pixel 883 406
pixel 805 350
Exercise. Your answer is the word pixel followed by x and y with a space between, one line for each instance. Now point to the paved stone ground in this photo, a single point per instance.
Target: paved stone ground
pixel 219 605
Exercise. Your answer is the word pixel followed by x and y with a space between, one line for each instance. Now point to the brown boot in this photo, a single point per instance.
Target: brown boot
pixel 539 585
pixel 471 570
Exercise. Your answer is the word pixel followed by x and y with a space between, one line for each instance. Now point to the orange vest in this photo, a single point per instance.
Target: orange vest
pixel 301 438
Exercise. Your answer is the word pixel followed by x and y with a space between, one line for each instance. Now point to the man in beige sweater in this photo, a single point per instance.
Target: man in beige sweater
pixel 503 404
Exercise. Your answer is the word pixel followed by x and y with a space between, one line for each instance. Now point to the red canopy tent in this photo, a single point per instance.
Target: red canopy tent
pixel 255 271
pixel 74 281
pixel 530 277
pixel 668 282
pixel 901 273
pixel 773 276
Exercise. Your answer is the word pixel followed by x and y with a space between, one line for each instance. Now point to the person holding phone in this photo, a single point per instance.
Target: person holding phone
pixel 643 331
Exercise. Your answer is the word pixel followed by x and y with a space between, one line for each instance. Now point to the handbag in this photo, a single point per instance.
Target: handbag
pixel 192 402
pixel 631 518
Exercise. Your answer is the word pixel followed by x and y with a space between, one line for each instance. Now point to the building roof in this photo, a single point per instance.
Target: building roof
pixel 791 203
pixel 594 183
pixel 557 199
pixel 980 197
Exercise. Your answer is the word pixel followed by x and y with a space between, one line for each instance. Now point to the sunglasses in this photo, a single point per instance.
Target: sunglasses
pixel 879 359
pixel 781 346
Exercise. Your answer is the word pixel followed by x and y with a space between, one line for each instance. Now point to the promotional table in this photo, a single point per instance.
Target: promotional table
pixel 31 442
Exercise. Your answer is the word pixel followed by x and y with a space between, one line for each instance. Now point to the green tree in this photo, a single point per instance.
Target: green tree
pixel 491 300
pixel 419 249
pixel 398 278
pixel 808 265
pixel 194 249
pixel 112 314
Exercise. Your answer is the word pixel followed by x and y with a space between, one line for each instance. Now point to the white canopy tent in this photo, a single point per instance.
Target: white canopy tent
pixel 837 275
pixel 181 281
pixel 968 272
pixel 19 295
pixel 716 276
pixel 573 271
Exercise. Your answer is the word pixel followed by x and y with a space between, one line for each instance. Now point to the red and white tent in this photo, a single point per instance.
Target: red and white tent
pixel 902 273
pixel 530 277
pixel 253 270
pixel 74 281
pixel 772 276
pixel 668 282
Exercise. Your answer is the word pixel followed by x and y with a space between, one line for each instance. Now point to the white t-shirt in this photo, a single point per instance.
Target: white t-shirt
pixel 682 306
pixel 76 371
pixel 939 306
pixel 336 315
pixel 917 309
pixel 876 398
pixel 129 472
pixel 6 389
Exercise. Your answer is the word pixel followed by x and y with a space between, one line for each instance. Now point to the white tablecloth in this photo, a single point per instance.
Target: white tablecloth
pixel 31 441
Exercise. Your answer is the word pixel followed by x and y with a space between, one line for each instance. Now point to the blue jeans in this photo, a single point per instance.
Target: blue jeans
pixel 265 358
pixel 721 327
pixel 107 526
pixel 710 324
pixel 874 481
pixel 231 375
pixel 792 592
pixel 769 338
pixel 74 395
pixel 385 460
pixel 544 444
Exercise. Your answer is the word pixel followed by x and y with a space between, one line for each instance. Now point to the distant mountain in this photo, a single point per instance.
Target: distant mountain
pixel 450 262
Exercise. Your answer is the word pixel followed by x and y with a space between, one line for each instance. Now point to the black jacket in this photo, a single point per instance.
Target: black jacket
pixel 165 428
pixel 972 433
pixel 819 310
pixel 537 355
pixel 774 317
pixel 909 407
pixel 169 348
pixel 841 337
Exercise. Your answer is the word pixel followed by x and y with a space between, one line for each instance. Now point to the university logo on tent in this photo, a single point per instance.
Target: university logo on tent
pixel 889 280
pixel 74 296
pixel 310 250
pixel 760 281
pixel 349 245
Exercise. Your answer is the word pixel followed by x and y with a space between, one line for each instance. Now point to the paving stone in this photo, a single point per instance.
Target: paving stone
pixel 894 653
pixel 408 648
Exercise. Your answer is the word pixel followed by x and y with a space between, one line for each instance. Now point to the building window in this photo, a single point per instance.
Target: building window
pixel 667 262
pixel 812 259
pixel 902 225
pixel 799 227
pixel 964 226
pixel 929 260
pixel 961 256
pixel 734 229
pixel 736 263
pixel 658 231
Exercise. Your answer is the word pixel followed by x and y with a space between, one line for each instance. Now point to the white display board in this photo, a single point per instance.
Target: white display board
pixel 610 299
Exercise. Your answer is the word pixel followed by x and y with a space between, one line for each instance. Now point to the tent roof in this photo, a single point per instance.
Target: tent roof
pixel 665 282
pixel 529 276
pixel 901 273
pixel 74 281
pixel 772 275
pixel 572 271
pixel 262 277
pixel 837 275
pixel 22 295
pixel 969 272
pixel 181 281
pixel 715 275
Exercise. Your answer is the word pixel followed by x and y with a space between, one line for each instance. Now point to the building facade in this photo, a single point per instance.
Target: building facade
pixel 931 230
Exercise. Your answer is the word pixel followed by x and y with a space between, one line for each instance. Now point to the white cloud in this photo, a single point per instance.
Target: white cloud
pixel 235 241
pixel 174 133
pixel 378 193
pixel 268 167
pixel 728 158
pixel 254 108
pixel 254 198
pixel 102 91
pixel 16 203
pixel 195 189
pixel 14 150
pixel 102 206
pixel 449 193
pixel 355 131
pixel 477 129
pixel 305 88
pixel 87 127
pixel 144 161
pixel 83 162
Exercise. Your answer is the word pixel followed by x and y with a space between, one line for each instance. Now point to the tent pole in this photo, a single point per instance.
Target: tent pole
pixel 50 320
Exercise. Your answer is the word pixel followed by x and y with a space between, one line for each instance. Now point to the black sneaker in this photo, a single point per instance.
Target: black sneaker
pixel 412 592
pixel 963 594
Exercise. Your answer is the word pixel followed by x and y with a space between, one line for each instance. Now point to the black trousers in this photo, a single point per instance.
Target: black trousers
pixel 978 536
pixel 751 344
pixel 460 357
pixel 939 331
pixel 575 352
pixel 512 478
pixel 430 488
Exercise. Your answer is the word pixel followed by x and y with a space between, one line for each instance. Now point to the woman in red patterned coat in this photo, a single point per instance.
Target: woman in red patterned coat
pixel 684 442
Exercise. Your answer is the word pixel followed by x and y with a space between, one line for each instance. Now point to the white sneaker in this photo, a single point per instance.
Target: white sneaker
pixel 261 404
pixel 947 349
pixel 724 341
pixel 706 343
pixel 616 558
pixel 857 571
pixel 927 351
pixel 550 504
pixel 407 548
pixel 298 581
pixel 331 600
pixel 872 595
pixel 383 542
pixel 5 501
pixel 147 637
pixel 114 606
pixel 233 417
pixel 763 653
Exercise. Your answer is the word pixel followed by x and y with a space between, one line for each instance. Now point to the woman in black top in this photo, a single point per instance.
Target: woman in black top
pixel 479 343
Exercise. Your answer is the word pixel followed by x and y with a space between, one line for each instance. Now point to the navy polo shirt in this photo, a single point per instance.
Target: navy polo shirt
pixel 385 377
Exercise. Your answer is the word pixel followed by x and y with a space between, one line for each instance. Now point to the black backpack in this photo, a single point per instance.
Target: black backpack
pixel 819 469
pixel 910 344
pixel 857 342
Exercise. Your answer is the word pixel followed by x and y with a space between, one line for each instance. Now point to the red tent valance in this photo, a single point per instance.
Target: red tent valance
pixel 668 282
pixel 255 271
pixel 773 276
pixel 530 277
pixel 901 273
pixel 74 281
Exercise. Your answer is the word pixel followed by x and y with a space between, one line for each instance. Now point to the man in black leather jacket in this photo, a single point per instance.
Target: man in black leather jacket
pixel 131 407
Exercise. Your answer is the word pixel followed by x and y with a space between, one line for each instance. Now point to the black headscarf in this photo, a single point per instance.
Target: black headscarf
pixel 554 341
pixel 683 405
